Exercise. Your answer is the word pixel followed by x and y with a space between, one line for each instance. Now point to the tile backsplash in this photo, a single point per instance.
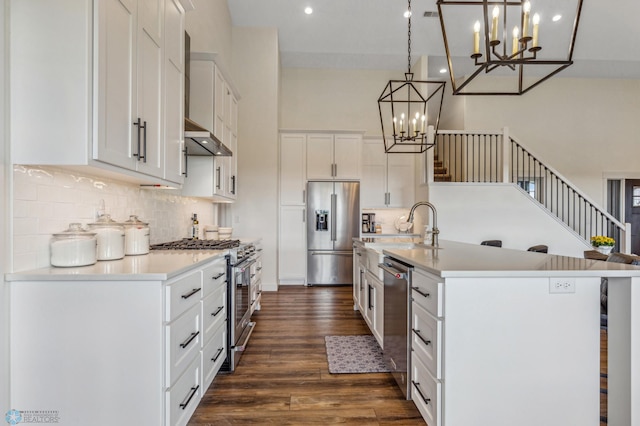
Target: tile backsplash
pixel 47 199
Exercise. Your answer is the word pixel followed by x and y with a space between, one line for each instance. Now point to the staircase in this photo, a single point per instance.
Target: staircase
pixel 461 156
pixel 440 171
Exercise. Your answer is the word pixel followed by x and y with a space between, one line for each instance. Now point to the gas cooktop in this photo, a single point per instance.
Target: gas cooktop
pixel 189 244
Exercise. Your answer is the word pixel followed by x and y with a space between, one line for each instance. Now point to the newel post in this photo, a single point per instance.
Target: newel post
pixel 506 155
pixel 429 158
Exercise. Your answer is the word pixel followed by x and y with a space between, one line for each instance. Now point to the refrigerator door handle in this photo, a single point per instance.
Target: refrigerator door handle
pixel 332 218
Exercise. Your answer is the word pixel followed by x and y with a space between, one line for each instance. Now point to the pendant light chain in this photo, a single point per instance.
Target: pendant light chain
pixel 409 40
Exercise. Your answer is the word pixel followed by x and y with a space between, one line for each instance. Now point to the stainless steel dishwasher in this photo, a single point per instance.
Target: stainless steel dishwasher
pixel 397 311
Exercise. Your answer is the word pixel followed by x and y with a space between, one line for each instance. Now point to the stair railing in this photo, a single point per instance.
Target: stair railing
pixel 464 156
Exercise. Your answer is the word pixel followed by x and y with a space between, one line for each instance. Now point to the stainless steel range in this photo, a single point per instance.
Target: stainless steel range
pixel 240 258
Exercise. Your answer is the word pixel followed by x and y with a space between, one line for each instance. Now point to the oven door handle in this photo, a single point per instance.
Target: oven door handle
pixel 245 264
pixel 250 326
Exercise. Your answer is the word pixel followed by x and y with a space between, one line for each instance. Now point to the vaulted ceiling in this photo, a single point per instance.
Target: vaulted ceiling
pixel 372 34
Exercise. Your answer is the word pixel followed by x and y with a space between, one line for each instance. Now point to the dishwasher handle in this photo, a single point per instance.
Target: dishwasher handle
pixel 389 269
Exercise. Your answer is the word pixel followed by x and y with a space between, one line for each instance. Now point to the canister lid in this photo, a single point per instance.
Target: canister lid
pixel 105 220
pixel 133 220
pixel 75 230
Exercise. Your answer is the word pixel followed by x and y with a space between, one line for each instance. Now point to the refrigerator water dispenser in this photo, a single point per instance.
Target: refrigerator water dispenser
pixel 322 224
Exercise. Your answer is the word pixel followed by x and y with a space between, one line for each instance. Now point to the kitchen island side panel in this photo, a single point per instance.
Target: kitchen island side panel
pixel 516 354
pixel 90 351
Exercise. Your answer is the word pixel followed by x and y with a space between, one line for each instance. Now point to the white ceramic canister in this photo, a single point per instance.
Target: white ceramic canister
pixel 110 236
pixel 73 247
pixel 136 236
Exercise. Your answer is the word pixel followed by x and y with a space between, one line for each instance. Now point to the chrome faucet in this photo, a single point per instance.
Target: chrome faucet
pixel 435 231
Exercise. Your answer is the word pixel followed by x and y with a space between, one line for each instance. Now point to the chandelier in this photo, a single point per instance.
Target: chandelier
pixel 521 43
pixel 407 107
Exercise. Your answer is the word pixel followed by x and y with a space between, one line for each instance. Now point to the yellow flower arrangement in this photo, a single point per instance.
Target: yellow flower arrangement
pixel 601 240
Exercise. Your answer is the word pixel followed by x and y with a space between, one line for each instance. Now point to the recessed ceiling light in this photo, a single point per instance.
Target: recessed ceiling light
pixel 556 18
pixel 443 70
pixel 308 10
pixel 407 14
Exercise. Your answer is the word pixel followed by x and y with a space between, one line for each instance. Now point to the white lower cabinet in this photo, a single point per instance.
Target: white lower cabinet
pixel 183 336
pixel 183 397
pixel 426 338
pixel 374 306
pixel 213 355
pixel 102 353
pixel 426 392
pixel 368 292
pixel 256 282
pixel 292 252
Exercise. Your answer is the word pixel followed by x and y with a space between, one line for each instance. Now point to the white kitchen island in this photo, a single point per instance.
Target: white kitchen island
pixel 508 337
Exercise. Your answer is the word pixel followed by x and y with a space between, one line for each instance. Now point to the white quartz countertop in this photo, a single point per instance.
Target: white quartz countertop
pixel 157 265
pixel 454 259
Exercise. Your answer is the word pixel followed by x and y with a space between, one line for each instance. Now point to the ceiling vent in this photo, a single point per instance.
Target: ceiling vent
pixel 431 14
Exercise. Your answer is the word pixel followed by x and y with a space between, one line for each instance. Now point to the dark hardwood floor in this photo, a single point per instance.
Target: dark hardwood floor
pixel 283 378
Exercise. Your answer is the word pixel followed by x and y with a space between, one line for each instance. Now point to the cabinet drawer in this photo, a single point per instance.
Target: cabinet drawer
pixel 183 397
pixel 213 355
pixel 184 341
pixel 426 393
pixel 214 276
pixel 427 292
pixel 426 339
pixel 214 312
pixel 182 294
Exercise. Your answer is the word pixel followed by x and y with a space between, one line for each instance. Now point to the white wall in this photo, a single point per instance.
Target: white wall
pixel 584 128
pixel 473 212
pixel 256 72
pixel 4 214
pixel 209 27
pixel 330 99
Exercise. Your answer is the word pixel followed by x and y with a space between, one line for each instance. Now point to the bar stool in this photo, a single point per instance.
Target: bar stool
pixel 541 248
pixel 492 243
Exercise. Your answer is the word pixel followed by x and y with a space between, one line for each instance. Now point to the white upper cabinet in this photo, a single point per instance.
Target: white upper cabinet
pixel 92 75
pixel 175 160
pixel 387 179
pixel 214 106
pixel 334 156
pixel 293 156
pixel 148 99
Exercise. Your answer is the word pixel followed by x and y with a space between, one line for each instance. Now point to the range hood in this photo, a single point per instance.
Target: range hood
pixel 200 141
pixel 197 139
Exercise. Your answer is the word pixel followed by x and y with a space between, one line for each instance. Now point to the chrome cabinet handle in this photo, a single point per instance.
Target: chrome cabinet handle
pixel 217 355
pixel 188 295
pixel 417 333
pixel 417 290
pixel 217 276
pixel 417 385
pixel 233 184
pixel 192 392
pixel 218 311
pixel 370 305
pixel 189 339
pixel 218 177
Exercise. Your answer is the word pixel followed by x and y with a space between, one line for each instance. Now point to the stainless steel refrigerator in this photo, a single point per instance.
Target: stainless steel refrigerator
pixel 333 212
